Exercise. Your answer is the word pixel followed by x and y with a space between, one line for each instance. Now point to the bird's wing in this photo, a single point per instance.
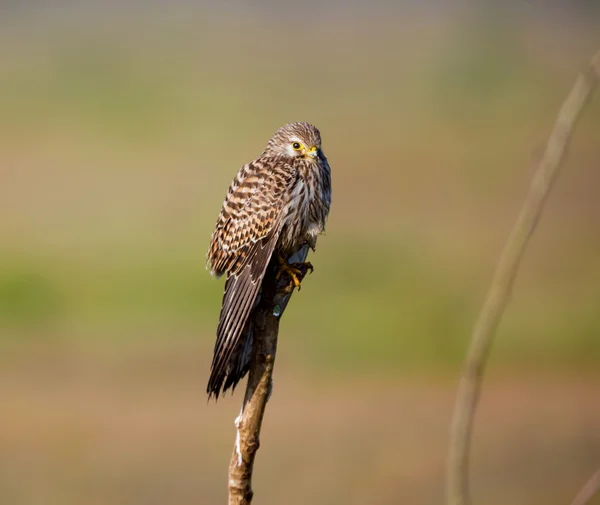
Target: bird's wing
pixel 250 210
pixel 243 242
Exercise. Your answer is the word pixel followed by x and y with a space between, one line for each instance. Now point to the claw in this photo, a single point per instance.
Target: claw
pixel 296 272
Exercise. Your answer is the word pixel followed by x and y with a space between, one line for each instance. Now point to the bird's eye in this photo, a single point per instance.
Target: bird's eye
pixel 296 146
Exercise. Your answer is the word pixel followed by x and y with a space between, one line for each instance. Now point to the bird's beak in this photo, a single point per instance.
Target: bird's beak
pixel 313 152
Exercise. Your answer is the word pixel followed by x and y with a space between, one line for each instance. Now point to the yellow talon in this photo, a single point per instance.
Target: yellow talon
pixel 296 274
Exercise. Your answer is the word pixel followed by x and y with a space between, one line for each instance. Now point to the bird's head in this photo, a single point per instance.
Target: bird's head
pixel 296 140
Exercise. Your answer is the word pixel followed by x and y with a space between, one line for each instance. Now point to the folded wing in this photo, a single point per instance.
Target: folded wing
pixel 244 239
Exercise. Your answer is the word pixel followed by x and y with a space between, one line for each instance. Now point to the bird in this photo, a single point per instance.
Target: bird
pixel 275 205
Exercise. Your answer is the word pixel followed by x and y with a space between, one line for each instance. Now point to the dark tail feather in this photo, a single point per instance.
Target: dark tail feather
pixel 233 348
pixel 228 373
pixel 240 361
pixel 229 363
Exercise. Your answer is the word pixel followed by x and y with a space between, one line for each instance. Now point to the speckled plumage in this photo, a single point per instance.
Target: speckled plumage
pixel 275 205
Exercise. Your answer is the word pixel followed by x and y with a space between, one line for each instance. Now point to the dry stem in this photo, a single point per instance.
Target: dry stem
pixel 591 487
pixel 249 422
pixel 500 289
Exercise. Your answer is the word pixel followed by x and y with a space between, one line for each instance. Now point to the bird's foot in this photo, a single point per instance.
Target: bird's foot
pixel 295 271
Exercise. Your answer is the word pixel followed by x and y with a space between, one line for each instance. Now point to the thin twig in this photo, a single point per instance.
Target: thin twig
pixel 273 301
pixel 591 487
pixel 501 287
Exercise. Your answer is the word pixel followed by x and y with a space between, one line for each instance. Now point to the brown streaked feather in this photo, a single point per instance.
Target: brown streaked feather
pixel 241 290
pixel 253 203
pixel 241 246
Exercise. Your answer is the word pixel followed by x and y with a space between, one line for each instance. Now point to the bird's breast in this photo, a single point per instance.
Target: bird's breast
pixel 306 213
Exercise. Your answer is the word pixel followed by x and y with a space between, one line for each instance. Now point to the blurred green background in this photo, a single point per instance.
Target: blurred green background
pixel 121 126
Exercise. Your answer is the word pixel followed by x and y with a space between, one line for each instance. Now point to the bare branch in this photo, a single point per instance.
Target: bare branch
pixel 273 301
pixel 591 487
pixel 501 287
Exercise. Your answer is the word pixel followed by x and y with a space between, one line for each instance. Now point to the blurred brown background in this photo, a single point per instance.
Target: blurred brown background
pixel 121 126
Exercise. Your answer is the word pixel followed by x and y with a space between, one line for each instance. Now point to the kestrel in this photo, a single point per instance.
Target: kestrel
pixel 275 205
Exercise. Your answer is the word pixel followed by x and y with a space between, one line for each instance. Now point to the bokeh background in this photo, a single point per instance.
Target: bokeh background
pixel 121 126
